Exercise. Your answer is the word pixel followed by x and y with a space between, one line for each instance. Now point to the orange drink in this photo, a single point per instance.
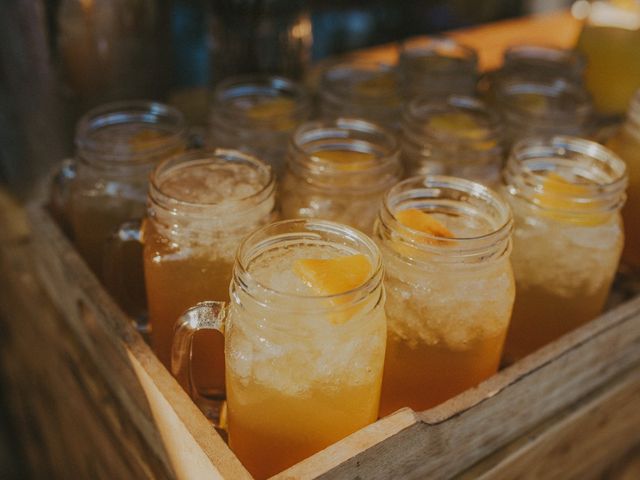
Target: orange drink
pixel 445 243
pixel 200 204
pixel 257 114
pixel 626 143
pixel 565 194
pixel 305 338
pixel 117 146
pixel 339 170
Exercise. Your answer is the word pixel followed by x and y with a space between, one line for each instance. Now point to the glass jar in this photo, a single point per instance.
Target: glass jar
pixel 565 194
pixel 361 89
pixel 117 145
pixel 437 66
pixel 445 242
pixel 609 39
pixel 543 108
pixel 458 136
pixel 305 337
pixel 201 204
pixel 626 143
pixel 339 170
pixel 258 114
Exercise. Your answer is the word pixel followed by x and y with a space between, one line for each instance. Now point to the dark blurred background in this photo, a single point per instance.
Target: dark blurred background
pixel 60 57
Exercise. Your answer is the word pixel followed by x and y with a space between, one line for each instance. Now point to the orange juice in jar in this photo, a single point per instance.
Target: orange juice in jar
pixel 339 170
pixel 450 289
pixel 117 146
pixel 459 136
pixel 201 204
pixel 305 338
pixel 257 114
pixel 626 143
pixel 565 194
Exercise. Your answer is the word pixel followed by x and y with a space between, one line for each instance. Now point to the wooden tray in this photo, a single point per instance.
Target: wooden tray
pixel 94 402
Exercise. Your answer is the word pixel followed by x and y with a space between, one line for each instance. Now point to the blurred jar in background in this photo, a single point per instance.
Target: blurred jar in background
pixel 543 108
pixel 459 136
pixel 362 89
pixel 260 36
pixel 437 66
pixel 257 114
pixel 111 50
pixel 626 143
pixel 117 146
pixel 339 170
pixel 610 39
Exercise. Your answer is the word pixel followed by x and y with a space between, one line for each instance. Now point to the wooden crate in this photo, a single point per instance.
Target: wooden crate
pixel 94 402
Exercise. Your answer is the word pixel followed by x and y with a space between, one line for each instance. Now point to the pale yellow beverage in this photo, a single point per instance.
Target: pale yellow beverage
pixel 200 206
pixel 565 194
pixel 450 288
pixel 305 338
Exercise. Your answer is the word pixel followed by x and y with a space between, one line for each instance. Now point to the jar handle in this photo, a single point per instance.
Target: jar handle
pixel 208 315
pixel 60 193
pixel 123 271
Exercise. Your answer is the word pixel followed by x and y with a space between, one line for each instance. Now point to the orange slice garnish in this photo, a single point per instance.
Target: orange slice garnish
pixel 423 222
pixel 459 124
pixel 332 276
pixel 556 197
pixel 347 160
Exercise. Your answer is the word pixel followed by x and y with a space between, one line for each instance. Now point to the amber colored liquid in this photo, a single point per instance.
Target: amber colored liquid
pixel 628 147
pixel 613 67
pixel 427 375
pixel 271 430
pixel 539 317
pixel 175 284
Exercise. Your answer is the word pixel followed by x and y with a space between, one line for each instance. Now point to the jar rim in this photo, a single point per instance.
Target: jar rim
pixel 209 156
pixel 545 53
pixel 335 84
pixel 129 111
pixel 277 233
pixel 437 45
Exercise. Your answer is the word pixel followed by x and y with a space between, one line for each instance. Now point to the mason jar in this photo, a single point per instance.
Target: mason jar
pixel 257 114
pixel 565 194
pixel 543 108
pixel 200 205
pixel 362 89
pixel 339 170
pixel 305 337
pixel 445 243
pixel 459 136
pixel 117 145
pixel 436 67
pixel 626 143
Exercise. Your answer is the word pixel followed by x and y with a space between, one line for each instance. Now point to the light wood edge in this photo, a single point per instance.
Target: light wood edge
pixel 581 441
pixel 222 463
pixel 355 443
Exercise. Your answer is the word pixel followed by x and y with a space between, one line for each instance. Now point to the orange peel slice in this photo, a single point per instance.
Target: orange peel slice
pixel 423 222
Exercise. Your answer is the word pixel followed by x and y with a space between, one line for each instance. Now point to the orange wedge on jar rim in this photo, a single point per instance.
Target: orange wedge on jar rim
pixel 333 276
pixel 556 198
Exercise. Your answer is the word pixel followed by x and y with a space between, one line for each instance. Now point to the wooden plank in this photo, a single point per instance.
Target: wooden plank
pixel 192 444
pixel 581 442
pixel 484 419
pixel 557 29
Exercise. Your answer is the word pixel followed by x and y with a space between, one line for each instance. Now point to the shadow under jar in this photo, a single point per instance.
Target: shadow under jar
pixel 258 114
pixel 445 242
pixel 437 66
pixel 565 194
pixel 339 170
pixel 543 108
pixel 201 204
pixel 304 341
pixel 458 136
pixel 117 145
pixel 362 89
